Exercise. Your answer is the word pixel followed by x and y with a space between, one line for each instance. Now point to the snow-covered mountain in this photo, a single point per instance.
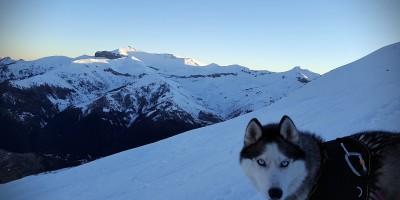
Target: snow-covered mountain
pixel 203 163
pixel 98 105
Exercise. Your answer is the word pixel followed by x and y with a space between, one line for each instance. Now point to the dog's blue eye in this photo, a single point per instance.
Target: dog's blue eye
pixel 284 163
pixel 261 162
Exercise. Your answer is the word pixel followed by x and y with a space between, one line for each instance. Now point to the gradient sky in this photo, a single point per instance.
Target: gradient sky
pixel 319 35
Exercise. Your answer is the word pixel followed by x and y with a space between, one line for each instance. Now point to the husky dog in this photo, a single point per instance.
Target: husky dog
pixel 284 163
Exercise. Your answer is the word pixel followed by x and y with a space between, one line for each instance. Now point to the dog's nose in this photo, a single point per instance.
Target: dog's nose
pixel 275 193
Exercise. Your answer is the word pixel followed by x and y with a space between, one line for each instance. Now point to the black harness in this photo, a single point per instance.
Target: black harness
pixel 345 171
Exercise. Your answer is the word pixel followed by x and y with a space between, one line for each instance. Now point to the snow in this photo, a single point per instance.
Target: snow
pixel 223 91
pixel 60 103
pixel 125 50
pixel 53 60
pixel 237 86
pixel 204 164
pixel 90 60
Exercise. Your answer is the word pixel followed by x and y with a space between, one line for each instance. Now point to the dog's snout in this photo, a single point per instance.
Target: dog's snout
pixel 275 193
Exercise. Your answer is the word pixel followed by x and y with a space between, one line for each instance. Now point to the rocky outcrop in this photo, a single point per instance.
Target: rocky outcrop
pixel 109 55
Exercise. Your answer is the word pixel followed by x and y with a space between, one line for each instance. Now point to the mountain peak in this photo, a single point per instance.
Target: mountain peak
pixel 126 50
pixel 6 60
pixel 296 68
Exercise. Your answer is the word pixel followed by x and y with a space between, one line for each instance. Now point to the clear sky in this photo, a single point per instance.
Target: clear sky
pixel 260 34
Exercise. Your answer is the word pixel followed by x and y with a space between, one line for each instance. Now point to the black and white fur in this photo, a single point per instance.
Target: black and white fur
pixel 283 163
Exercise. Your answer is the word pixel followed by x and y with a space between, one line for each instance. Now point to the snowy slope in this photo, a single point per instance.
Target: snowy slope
pixel 239 90
pixel 203 163
pixel 228 90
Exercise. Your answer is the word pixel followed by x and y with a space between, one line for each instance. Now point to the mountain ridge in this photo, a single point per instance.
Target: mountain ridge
pixel 138 96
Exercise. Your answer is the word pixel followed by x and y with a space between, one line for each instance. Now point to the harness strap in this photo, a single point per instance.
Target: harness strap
pixel 345 171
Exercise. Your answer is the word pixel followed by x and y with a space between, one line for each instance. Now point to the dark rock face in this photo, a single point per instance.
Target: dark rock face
pixel 15 165
pixel 25 111
pixel 208 117
pixel 32 123
pixel 206 76
pixel 303 80
pixel 107 54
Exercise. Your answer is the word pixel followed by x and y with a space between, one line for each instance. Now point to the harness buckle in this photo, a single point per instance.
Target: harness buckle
pixel 360 158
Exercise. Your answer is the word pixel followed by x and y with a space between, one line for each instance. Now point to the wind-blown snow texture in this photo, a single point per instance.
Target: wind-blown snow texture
pixel 203 163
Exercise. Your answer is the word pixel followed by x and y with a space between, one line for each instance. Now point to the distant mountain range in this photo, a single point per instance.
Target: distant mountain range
pixel 92 106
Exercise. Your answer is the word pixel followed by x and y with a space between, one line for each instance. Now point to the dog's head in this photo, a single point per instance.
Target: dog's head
pixel 272 158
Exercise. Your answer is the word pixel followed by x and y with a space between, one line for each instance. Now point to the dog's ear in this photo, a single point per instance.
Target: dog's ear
pixel 288 130
pixel 253 132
